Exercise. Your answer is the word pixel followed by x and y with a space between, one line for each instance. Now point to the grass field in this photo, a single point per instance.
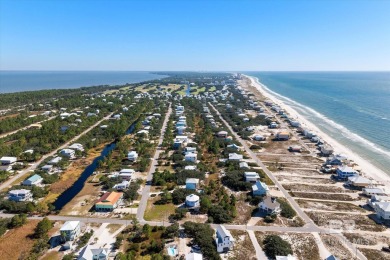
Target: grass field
pixel 158 212
pixel 16 244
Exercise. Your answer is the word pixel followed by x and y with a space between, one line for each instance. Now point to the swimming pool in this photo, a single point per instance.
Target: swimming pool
pixel 172 251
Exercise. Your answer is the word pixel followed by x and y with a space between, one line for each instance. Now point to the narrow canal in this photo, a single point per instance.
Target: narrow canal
pixel 72 191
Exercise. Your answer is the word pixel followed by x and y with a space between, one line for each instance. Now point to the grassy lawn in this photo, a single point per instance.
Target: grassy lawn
pixel 158 212
pixel 52 255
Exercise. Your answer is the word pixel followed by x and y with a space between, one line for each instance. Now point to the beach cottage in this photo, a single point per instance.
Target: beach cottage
pixel 192 183
pixel 382 210
pixel 270 205
pixel 235 157
pixel 259 189
pixel 343 172
pixel 20 195
pixel 132 156
pixel 251 177
pixel 33 180
pixel 224 239
pixel 70 230
pixel 192 201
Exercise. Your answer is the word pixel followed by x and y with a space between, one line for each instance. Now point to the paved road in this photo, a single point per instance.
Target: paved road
pixel 146 190
pixel 26 127
pixel 260 255
pixel 7 183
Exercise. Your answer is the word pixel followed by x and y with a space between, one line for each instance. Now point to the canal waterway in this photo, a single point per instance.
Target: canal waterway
pixel 72 191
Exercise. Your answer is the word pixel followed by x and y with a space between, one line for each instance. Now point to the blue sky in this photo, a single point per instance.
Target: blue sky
pixel 195 35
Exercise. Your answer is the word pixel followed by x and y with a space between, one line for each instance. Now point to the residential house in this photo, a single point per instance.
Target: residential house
pixel 258 138
pixel 224 239
pixel 70 230
pixel 332 257
pixel 68 153
pixel 6 160
pixel 192 183
pixel 222 134
pixel 190 157
pixel 295 149
pixel 189 150
pixel 373 191
pixel 358 181
pixel 244 165
pixel 288 257
pixel 132 156
pixel 126 174
pixel 382 210
pixel 77 146
pixel 55 160
pixel 47 168
pixel 121 186
pixel 33 180
pixel 234 147
pixel 377 198
pixel 235 157
pixel 192 201
pixel 282 136
pixel 259 189
pixel 326 150
pixel 20 195
pixel 92 252
pixel 181 130
pixel 251 177
pixel 109 201
pixel 194 256
pixel 343 172
pixel 270 205
pixel 190 167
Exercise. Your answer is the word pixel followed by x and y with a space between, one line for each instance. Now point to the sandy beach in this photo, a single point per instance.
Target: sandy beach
pixel 368 170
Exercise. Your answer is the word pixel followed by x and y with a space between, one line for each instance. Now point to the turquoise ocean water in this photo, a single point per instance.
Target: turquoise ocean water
pixel 16 81
pixel 351 107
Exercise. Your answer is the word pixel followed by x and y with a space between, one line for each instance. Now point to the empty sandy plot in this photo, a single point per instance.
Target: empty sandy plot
pixel 335 246
pixel 293 178
pixel 361 222
pixel 317 188
pixel 331 206
pixel 323 196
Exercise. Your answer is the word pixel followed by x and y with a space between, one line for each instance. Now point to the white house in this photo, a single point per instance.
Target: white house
pixel 55 160
pixel 47 168
pixel 288 257
pixel 6 160
pixel 92 252
pixel 70 230
pixel 234 147
pixel 373 191
pixel 376 199
pixel 121 186
pixel 244 165
pixel 126 174
pixel 190 157
pixel 33 180
pixel 259 189
pixel 190 167
pixel 132 156
pixel 77 146
pixel 68 153
pixel 382 210
pixel 270 205
pixel 192 201
pixel 235 157
pixel 258 138
pixel 20 195
pixel 224 239
pixel 358 181
pixel 194 256
pixel 251 177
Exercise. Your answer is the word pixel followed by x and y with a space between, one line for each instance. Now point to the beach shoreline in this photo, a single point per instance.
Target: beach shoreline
pixel 368 169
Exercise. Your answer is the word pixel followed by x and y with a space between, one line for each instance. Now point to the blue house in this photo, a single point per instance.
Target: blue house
pixel 192 183
pixel 33 180
pixel 343 172
pixel 259 189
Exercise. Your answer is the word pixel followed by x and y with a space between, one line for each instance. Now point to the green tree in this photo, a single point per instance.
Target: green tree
pixel 274 245
pixel 43 228
pixel 18 220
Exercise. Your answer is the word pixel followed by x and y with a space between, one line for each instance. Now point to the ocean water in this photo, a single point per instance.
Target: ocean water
pixel 16 81
pixel 351 107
